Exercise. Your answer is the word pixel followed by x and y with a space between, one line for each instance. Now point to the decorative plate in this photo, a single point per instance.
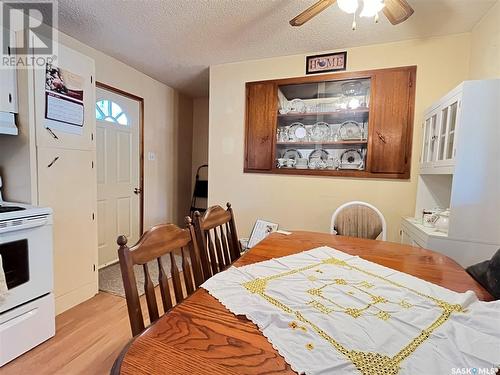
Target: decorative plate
pixel 320 132
pixel 318 159
pixel 297 106
pixel 351 159
pixel 319 155
pixel 349 131
pixel 291 153
pixel 297 132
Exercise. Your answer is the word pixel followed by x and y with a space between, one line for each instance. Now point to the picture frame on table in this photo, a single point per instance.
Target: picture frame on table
pixel 261 230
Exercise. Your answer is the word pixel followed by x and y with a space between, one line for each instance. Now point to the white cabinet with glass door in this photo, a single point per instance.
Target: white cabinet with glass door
pixel 460 172
pixel 440 133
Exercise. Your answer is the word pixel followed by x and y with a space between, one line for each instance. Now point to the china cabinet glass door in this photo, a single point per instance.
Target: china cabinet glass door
pixel 429 152
pixel 323 125
pixel 433 137
pixel 447 130
pixel 443 131
pixel 425 151
pixel 450 148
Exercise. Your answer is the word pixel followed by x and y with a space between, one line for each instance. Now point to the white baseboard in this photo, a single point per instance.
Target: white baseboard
pixel 108 264
pixel 75 297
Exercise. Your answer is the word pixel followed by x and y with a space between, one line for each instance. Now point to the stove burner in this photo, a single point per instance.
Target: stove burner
pixel 4 209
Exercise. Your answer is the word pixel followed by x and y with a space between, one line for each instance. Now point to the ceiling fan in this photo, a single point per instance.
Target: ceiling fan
pixel 396 11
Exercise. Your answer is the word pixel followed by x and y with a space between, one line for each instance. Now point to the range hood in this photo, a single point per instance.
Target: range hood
pixel 8 123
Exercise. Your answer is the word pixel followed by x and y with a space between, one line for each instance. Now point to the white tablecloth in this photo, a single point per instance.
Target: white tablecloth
pixel 327 312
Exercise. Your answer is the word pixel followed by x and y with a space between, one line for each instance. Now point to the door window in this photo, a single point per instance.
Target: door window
pixel 107 110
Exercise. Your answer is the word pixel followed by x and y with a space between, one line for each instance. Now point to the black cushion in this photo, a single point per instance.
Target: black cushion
pixel 487 274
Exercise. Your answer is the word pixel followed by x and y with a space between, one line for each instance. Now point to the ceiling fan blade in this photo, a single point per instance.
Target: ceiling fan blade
pixel 310 12
pixel 397 11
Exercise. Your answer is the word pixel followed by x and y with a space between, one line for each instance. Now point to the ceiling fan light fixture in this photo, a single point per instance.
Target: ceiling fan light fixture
pixel 348 6
pixel 371 8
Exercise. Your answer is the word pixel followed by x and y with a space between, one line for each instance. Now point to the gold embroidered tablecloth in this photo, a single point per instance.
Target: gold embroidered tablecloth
pixel 327 312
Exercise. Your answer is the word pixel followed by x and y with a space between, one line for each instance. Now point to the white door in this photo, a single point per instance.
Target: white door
pixel 118 171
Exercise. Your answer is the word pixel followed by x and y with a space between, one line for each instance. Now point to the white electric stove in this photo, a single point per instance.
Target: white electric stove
pixel 27 315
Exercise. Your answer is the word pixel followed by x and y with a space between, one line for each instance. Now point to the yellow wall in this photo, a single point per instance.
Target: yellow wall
pixel 485 46
pixel 167 133
pixel 297 202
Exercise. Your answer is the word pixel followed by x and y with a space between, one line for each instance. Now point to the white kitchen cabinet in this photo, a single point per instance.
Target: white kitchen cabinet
pixel 48 132
pixel 465 253
pixel 440 133
pixel 8 88
pixel 63 185
pixel 69 185
pixel 460 170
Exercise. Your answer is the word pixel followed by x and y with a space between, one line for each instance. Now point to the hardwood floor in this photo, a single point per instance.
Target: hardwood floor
pixel 88 339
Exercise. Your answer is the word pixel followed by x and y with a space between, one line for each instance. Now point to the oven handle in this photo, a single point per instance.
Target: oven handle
pixel 18 319
pixel 27 224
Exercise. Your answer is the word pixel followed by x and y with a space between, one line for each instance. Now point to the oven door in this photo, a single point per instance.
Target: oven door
pixel 26 250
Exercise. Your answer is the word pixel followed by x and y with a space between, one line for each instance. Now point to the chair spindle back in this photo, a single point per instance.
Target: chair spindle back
pixel 159 241
pixel 218 239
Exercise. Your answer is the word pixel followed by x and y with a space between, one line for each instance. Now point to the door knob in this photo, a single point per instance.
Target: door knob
pixel 137 191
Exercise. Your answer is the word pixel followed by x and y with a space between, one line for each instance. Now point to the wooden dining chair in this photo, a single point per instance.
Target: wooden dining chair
pixel 159 241
pixel 218 239
pixel 358 219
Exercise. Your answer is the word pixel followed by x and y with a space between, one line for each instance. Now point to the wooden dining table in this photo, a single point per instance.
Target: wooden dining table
pixel 200 336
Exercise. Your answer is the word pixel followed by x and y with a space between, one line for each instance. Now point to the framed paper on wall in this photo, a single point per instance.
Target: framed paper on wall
pixel 329 62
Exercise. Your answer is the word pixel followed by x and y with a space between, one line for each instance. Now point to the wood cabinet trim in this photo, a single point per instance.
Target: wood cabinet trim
pixel 405 143
pixel 271 113
pixel 332 76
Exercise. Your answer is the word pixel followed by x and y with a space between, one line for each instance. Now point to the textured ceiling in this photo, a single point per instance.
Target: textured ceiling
pixel 174 41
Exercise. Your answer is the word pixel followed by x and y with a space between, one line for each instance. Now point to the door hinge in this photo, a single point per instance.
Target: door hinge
pixel 94 267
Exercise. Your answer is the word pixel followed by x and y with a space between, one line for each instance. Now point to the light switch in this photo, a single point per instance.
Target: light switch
pixel 151 156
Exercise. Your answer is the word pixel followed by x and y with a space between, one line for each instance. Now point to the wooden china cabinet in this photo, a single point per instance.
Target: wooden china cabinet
pixel 356 124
